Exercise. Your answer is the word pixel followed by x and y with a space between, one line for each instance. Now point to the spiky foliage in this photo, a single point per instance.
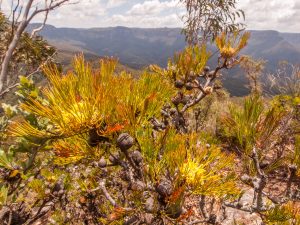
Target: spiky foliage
pixel 193 165
pixel 253 69
pixel 286 84
pixel 286 214
pixel 251 124
pixel 109 136
pixel 188 63
pixel 262 136
pixel 83 100
pixel 195 81
pixel 229 45
pixel 285 81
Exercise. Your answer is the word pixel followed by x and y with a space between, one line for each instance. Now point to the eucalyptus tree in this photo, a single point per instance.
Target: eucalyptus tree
pixel 209 18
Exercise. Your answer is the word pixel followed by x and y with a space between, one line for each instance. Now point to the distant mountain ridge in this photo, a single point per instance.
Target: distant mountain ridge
pixel 139 47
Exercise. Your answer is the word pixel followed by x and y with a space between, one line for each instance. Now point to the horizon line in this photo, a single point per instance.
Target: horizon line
pixel 165 27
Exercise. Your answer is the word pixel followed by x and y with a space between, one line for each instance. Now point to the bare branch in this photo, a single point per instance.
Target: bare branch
pixel 293 175
pixel 9 88
pixel 35 31
pixel 52 5
pixel 198 222
pixel 13 45
pixel 106 194
pixel 259 182
pixel 202 94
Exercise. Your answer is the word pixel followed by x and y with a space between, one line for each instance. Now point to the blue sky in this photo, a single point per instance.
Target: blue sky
pixel 282 15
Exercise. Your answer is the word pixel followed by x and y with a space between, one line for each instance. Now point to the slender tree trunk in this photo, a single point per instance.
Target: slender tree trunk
pixel 12 46
pixel 8 55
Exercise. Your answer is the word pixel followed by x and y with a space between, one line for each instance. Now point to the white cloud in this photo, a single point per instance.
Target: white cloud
pixel 152 13
pixel 151 7
pixel 115 3
pixel 271 14
pixel 282 15
pixel 84 14
pixel 5 6
pixel 172 20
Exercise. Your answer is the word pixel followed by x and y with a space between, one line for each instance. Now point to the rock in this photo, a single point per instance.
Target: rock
pixel 150 205
pixel 242 217
pixel 148 218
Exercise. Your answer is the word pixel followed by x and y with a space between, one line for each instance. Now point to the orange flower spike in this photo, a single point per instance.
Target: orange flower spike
pixel 114 128
pixel 186 215
pixel 176 194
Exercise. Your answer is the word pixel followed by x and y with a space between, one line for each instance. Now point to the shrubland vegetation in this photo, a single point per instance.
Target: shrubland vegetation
pixel 96 146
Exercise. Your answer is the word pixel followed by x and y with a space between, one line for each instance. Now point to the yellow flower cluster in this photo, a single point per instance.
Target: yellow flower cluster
pixel 230 46
pixel 192 172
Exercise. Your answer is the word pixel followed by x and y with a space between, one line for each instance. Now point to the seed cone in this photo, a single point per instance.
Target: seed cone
pixel 125 141
pixel 102 163
pixel 189 86
pixel 137 157
pixel 206 69
pixel 179 84
pixel 164 188
pixel 114 158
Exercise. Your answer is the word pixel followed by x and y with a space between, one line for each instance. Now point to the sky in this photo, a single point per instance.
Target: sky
pixel 281 15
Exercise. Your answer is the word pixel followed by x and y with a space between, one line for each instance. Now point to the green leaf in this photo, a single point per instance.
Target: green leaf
pixel 3 195
pixel 24 81
pixel 5 160
pixel 9 110
pixel 34 93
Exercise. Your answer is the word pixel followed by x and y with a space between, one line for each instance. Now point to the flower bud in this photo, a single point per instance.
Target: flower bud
pixel 192 75
pixel 185 99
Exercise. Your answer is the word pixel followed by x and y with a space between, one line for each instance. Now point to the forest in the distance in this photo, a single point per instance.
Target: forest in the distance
pixel 138 48
pixel 85 139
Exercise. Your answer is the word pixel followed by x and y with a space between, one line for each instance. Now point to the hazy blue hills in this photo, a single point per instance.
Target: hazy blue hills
pixel 139 47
